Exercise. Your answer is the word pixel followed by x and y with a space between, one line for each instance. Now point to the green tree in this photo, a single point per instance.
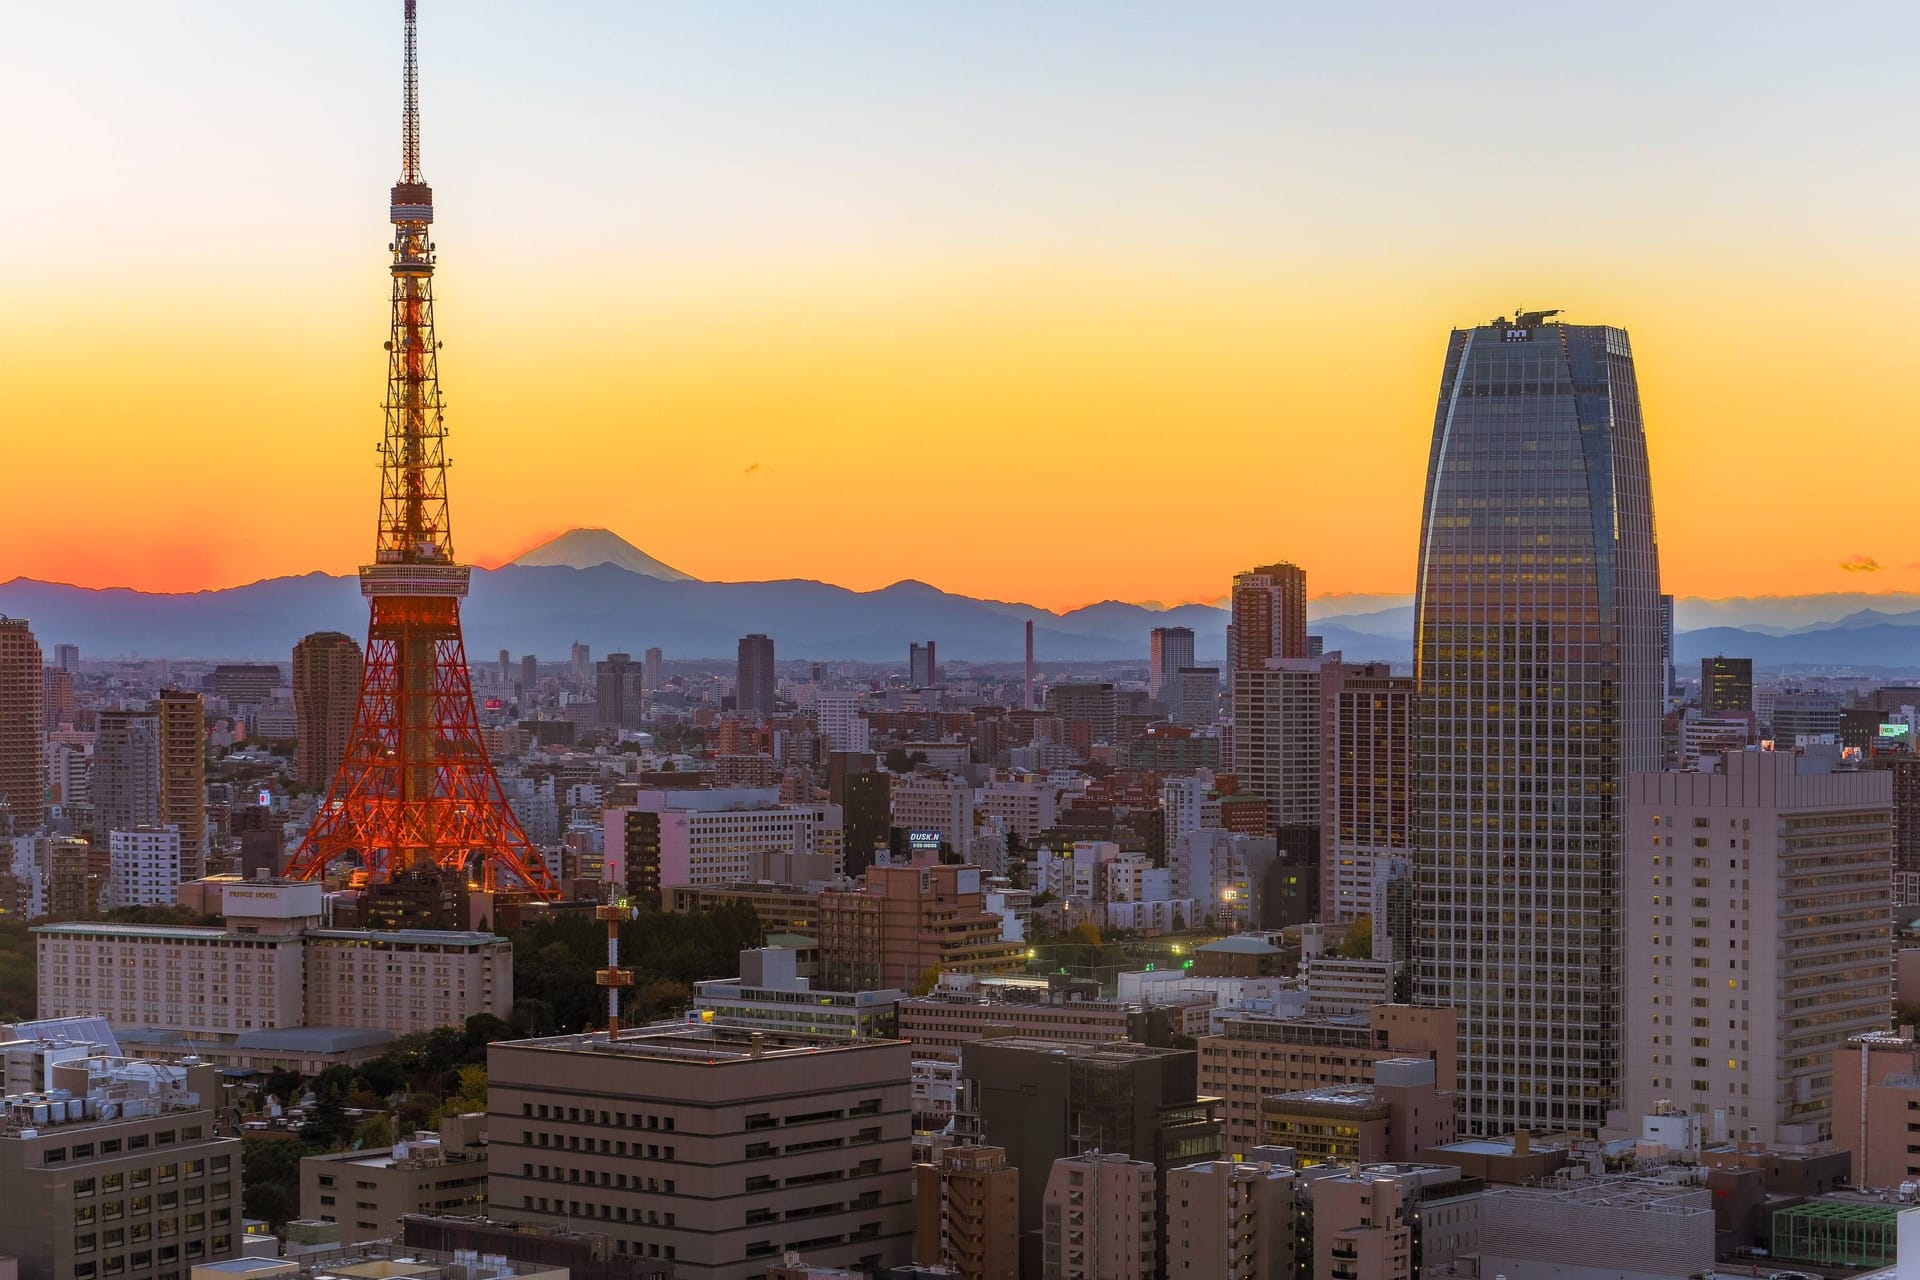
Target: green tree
pixel 1357 943
pixel 271 1189
pixel 375 1131
pixel 1086 933
pixel 929 979
pixel 327 1126
pixel 471 1094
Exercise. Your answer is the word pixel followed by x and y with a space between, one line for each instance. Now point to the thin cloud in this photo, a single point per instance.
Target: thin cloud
pixel 1861 564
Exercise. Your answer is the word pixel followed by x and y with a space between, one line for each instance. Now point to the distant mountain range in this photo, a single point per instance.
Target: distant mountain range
pixel 592 585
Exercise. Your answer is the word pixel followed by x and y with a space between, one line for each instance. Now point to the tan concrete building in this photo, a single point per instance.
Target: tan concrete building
pixel 1876 1106
pixel 906 921
pixel 367 1192
pixel 938 1023
pixel 23 762
pixel 406 980
pixel 1255 1056
pixel 781 908
pixel 1757 910
pixel 195 979
pixel 967 1214
pixel 1396 1118
pixel 269 967
pixel 714 1149
pixel 1232 1221
pixel 1364 1220
pixel 1097 1219
pixel 326 690
pixel 141 1185
pixel 1363 1226
pixel 183 775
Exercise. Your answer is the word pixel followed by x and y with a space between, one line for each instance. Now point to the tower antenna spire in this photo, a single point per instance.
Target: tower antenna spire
pixel 410 108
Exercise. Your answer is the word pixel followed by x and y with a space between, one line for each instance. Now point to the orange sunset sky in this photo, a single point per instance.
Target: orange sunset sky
pixel 1055 304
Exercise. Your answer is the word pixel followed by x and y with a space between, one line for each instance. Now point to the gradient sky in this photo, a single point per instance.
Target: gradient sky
pixel 1053 302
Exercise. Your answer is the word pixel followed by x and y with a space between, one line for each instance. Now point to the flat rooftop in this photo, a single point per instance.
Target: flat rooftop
pixel 695 1042
pixel 1108 1051
pixel 1333 1095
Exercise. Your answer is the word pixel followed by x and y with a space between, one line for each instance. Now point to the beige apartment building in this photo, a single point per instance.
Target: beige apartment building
pixel 716 1149
pixel 367 1192
pixel 1230 1220
pixel 139 1185
pixel 270 967
pixel 1097 1219
pixel 1758 915
pixel 967 1214
pixel 1255 1056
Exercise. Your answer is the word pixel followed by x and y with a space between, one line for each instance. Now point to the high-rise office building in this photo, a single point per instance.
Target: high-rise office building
pixel 581 660
pixel 126 772
pixel 1169 649
pixel 529 677
pixel 1269 616
pixel 1735 1007
pixel 1726 685
pixel 1046 1100
pixel 182 726
pixel 23 768
pixel 650 673
pixel 753 683
pixel 506 668
pixel 863 790
pixel 1805 716
pixel 1537 655
pixel 326 688
pixel 67 657
pixel 1669 683
pixel 1194 698
pixel 1093 701
pixel 144 867
pixel 837 714
pixel 61 700
pixel 1277 738
pixel 244 684
pixel 618 695
pixel 1366 787
pixel 923 668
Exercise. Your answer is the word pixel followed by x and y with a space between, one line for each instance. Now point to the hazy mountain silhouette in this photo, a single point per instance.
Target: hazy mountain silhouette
pixel 592 585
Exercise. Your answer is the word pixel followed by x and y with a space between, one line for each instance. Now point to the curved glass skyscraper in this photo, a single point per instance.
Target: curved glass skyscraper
pixel 1538 662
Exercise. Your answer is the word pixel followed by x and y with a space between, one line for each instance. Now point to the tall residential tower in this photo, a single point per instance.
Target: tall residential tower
pixel 23 768
pixel 1538 664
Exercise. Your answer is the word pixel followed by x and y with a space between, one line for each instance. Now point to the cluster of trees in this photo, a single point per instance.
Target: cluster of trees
pixel 419 1079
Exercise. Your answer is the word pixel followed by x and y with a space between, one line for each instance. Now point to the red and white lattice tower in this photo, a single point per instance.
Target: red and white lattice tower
pixel 415 789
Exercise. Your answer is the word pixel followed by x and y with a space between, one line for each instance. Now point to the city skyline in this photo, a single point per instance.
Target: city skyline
pixel 1061 271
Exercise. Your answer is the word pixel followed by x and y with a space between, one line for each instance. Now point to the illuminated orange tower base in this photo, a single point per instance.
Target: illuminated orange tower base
pixel 415 788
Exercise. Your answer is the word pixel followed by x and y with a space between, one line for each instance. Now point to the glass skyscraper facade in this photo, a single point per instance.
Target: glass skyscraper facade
pixel 1538 660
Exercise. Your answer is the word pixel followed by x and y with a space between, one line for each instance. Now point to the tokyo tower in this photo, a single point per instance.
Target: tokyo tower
pixel 415 790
